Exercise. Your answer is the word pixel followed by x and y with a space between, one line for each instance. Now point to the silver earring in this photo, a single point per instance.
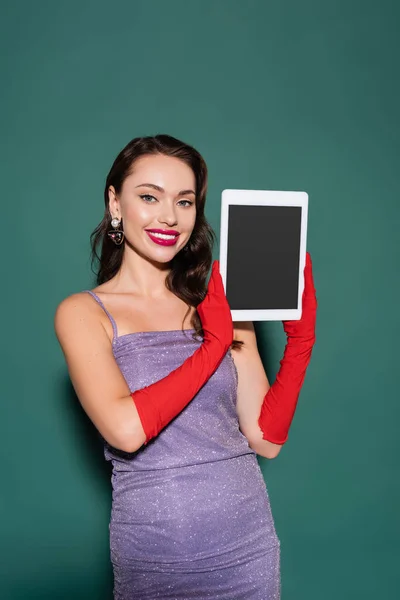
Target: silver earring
pixel 116 234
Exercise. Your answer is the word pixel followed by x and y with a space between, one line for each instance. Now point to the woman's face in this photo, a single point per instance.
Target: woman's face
pixel 158 195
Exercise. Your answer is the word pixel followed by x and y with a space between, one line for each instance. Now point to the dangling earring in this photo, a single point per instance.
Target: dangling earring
pixel 116 235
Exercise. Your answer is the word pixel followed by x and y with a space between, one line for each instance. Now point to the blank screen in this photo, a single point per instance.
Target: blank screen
pixel 263 257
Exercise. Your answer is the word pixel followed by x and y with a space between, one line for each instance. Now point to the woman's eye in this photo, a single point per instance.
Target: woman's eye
pixel 146 196
pixel 188 202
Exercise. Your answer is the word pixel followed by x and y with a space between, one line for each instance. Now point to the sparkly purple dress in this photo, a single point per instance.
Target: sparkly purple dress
pixel 190 517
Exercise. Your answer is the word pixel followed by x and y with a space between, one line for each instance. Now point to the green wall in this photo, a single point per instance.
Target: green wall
pixel 293 95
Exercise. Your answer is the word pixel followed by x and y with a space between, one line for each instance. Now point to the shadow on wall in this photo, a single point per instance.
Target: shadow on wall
pixel 85 435
pixel 65 564
pixel 72 588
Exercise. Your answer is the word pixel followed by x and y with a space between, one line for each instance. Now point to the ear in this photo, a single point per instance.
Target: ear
pixel 113 203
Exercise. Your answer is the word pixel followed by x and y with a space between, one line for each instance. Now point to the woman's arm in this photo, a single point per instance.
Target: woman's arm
pixel 98 382
pixel 252 386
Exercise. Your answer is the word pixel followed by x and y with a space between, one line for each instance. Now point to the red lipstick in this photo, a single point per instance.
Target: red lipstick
pixel 167 231
pixel 163 241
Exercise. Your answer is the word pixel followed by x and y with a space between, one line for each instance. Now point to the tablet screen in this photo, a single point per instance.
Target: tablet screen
pixel 262 260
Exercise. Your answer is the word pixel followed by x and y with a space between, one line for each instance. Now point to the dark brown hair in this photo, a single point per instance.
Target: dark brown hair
pixel 189 268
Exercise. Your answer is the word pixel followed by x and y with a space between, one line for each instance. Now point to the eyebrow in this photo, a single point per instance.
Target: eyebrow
pixel 160 189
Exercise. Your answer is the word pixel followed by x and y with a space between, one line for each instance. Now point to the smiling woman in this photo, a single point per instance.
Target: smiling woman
pixel 151 355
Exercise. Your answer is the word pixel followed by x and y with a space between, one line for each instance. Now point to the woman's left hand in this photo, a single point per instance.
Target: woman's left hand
pixel 305 326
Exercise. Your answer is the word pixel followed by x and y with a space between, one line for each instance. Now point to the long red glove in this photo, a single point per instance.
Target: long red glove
pixel 279 405
pixel 160 402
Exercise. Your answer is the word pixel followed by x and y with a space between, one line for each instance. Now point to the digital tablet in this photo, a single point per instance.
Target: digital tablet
pixel 263 253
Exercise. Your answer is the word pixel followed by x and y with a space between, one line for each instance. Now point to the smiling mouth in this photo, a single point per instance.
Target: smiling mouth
pixel 163 236
pixel 163 239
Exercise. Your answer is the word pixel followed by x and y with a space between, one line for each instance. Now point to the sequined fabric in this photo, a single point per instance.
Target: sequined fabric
pixel 190 517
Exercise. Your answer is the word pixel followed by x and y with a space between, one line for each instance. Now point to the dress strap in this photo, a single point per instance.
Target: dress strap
pixel 113 323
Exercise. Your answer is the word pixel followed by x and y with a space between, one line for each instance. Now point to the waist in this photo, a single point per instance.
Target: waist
pixel 194 511
pixel 178 492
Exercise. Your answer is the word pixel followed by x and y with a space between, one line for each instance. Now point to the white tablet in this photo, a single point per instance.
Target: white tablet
pixel 263 253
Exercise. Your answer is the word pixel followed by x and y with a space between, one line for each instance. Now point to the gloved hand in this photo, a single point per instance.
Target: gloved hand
pixel 159 403
pixel 279 405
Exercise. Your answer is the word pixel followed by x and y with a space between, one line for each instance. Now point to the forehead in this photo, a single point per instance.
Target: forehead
pixel 168 172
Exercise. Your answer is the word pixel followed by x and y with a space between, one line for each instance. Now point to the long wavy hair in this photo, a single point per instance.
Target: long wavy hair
pixel 189 268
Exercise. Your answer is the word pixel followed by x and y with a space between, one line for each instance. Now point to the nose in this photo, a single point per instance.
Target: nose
pixel 167 215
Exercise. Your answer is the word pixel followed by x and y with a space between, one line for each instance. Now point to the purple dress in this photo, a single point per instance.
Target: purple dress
pixel 190 516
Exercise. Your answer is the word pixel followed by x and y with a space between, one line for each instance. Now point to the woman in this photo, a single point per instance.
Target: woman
pixel 183 407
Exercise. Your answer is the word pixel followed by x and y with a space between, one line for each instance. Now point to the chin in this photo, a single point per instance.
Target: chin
pixel 164 258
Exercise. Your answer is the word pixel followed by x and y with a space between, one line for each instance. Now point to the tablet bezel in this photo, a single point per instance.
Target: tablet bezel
pixel 264 198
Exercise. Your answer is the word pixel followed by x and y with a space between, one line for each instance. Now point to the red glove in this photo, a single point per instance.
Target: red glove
pixel 280 401
pixel 160 402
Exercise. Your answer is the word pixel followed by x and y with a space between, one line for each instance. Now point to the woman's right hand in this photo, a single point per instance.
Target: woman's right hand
pixel 214 311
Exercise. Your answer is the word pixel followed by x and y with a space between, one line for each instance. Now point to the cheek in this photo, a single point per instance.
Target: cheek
pixel 191 220
pixel 137 214
pixel 187 218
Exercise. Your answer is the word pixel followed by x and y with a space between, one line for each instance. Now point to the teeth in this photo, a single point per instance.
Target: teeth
pixel 163 236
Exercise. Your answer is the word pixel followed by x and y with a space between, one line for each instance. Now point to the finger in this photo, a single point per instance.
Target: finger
pixel 219 284
pixel 211 281
pixel 308 274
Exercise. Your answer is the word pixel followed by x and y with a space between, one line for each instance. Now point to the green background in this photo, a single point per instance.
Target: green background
pixel 290 95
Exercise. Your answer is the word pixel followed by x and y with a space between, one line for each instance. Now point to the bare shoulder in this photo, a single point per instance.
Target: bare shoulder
pixel 77 312
pixel 73 307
